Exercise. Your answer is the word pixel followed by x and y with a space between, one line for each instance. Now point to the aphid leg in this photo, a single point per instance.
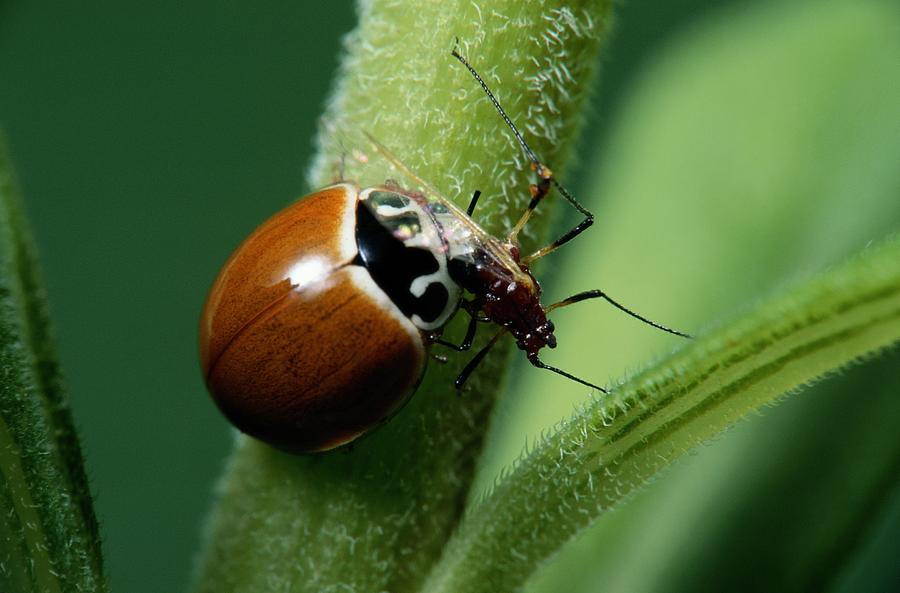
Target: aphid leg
pixel 542 365
pixel 599 294
pixel 571 234
pixel 538 192
pixel 472 203
pixel 476 360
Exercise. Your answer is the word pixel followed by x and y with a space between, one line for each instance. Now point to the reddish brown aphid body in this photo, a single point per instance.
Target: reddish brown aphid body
pixel 514 304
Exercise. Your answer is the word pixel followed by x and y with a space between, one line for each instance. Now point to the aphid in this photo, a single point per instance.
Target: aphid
pixel 319 326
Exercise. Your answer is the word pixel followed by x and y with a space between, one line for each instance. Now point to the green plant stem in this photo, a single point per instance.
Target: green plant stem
pixel 802 95
pixel 48 532
pixel 376 517
pixel 615 445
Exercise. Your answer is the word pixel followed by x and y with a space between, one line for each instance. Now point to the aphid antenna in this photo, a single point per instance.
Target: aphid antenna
pixel 546 176
pixel 541 169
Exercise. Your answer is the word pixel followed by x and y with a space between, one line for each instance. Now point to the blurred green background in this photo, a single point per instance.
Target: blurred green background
pixel 734 148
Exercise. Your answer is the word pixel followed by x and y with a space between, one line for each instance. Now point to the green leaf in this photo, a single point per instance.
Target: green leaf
pixel 376 517
pixel 796 489
pixel 760 145
pixel 603 454
pixel 48 532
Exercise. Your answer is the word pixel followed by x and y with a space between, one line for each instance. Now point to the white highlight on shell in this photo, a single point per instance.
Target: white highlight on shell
pixel 308 271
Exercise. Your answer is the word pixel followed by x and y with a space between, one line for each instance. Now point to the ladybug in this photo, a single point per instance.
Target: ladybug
pixel 319 326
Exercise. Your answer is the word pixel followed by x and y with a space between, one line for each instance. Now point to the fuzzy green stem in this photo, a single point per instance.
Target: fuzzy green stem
pixel 619 442
pixel 375 518
pixel 48 533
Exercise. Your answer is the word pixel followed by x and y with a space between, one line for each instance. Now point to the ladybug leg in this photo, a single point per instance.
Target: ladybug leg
pixel 342 167
pixel 473 308
pixel 542 365
pixel 599 294
pixel 339 166
pixel 476 360
pixel 467 341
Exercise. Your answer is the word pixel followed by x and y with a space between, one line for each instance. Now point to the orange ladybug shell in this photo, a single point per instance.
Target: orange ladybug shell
pixel 299 346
